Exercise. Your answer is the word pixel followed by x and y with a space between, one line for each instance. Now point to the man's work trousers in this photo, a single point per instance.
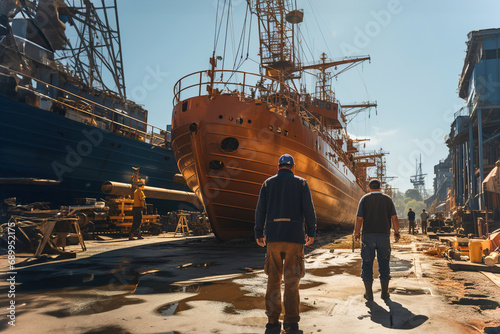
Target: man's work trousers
pixel 137 220
pixel 411 228
pixel 283 258
pixel 380 243
pixel 424 226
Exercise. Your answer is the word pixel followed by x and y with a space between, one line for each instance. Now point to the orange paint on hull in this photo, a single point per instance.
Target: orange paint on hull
pixel 228 180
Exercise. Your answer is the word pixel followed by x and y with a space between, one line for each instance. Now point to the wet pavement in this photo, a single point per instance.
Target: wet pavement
pixel 199 285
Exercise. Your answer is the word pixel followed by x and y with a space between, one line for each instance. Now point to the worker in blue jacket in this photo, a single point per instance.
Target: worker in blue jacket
pixel 285 210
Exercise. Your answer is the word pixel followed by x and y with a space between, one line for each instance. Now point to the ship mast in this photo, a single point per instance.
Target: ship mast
pixel 277 38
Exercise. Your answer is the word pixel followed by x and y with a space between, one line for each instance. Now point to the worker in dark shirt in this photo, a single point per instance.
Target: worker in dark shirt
pixel 411 221
pixel 376 211
pixel 285 210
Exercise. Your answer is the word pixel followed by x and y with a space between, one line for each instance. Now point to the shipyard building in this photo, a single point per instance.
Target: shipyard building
pixel 474 138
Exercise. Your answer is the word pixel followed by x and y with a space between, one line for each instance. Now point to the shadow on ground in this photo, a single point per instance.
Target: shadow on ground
pixel 398 317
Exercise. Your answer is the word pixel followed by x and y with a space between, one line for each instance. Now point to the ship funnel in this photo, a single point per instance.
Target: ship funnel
pixel 295 16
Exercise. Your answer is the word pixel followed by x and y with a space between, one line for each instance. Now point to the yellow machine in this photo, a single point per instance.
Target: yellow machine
pixel 120 207
pixel 121 216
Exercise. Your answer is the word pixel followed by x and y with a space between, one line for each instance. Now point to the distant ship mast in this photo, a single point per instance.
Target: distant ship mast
pixel 418 180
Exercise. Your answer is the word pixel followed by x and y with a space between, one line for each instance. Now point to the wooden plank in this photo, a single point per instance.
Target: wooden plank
pixel 49 227
pixel 495 278
pixel 468 266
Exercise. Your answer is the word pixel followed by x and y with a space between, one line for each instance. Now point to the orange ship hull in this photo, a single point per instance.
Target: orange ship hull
pixel 226 146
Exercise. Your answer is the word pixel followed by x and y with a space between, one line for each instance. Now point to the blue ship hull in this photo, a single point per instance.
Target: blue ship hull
pixel 35 143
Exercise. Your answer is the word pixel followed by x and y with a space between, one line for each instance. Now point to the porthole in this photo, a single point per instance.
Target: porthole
pixel 230 118
pixel 221 117
pixel 229 144
pixel 249 121
pixel 270 127
pixel 216 165
pixel 278 130
pixel 239 120
pixel 184 106
pixel 285 133
pixel 193 127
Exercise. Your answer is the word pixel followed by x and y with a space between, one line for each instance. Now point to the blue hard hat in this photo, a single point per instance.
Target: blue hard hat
pixel 286 159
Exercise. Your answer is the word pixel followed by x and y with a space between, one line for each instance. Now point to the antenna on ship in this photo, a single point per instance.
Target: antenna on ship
pixel 352 110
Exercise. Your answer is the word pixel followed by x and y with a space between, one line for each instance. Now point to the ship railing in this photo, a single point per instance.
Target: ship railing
pixel 279 96
pixel 89 111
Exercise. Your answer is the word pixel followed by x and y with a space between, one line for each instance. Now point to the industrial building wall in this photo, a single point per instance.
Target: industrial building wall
pixel 474 139
pixel 485 81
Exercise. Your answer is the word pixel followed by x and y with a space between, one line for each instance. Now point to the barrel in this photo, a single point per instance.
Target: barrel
pixel 475 250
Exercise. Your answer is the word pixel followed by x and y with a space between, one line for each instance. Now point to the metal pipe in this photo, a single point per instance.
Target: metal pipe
pixel 125 189
pixel 30 181
pixel 471 181
pixel 480 145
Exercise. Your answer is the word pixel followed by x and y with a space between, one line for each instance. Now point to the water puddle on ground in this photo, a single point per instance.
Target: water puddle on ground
pixel 98 304
pixel 170 309
pixel 309 284
pixel 411 291
pixel 352 268
pixel 120 278
pixel 111 329
pixel 398 265
pixel 484 304
pixel 224 292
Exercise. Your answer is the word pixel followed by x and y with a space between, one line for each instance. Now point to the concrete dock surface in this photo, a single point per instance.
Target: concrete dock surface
pixel 166 284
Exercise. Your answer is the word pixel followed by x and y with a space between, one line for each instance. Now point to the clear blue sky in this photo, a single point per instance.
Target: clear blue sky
pixel 417 50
